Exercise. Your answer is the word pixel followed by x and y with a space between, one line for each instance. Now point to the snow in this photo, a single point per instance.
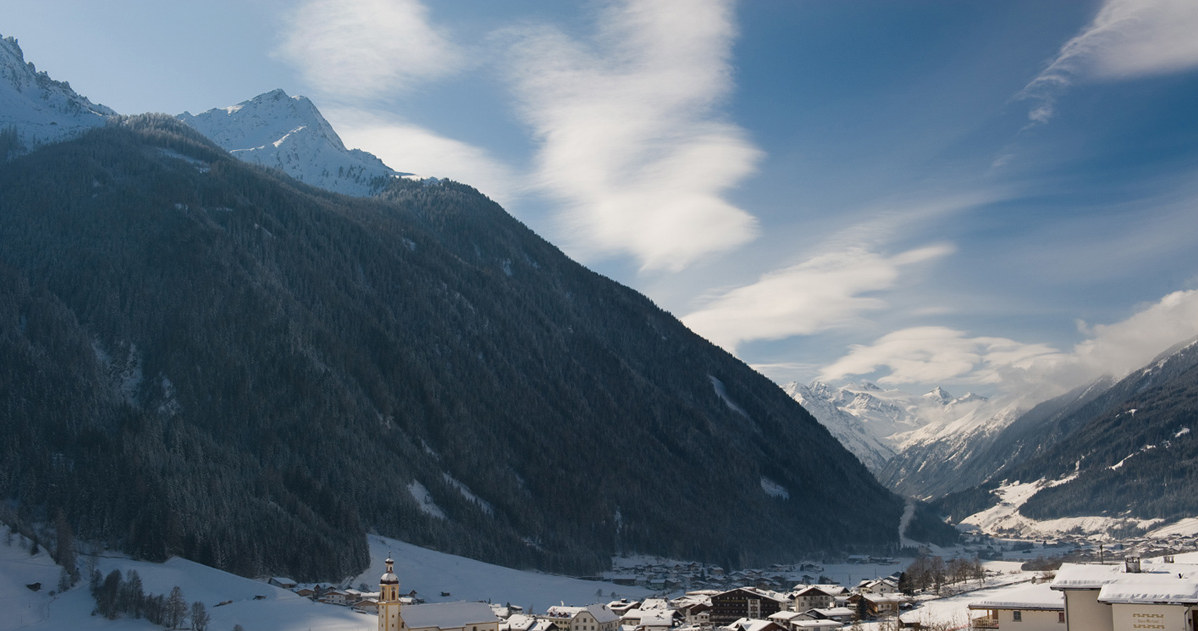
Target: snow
pixel 40 109
pixel 425 500
pixel 722 393
pixel 433 573
pixel 288 133
pixel 773 489
pixel 1025 596
pixel 1004 517
pixel 254 604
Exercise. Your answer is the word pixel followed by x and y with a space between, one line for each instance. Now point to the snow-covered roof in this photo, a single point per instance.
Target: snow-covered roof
pixel 1039 596
pixel 818 624
pixel 447 615
pixel 1085 576
pixel 1150 588
pixel 600 612
pixel 1156 582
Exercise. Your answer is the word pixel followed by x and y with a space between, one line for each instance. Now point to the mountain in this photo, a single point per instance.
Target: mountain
pixel 199 357
pixel 875 424
pixel 35 109
pixel 288 133
pixel 1124 451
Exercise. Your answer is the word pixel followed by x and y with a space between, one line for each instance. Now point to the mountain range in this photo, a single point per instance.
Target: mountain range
pixel 206 357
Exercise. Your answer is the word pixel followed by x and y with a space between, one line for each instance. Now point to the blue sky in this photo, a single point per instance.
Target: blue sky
pixel 990 196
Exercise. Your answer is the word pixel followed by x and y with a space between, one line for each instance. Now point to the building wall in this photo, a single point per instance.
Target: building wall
pixel 1149 617
pixel 1085 613
pixel 1031 620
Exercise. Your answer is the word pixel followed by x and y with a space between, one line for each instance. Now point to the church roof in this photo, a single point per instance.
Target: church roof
pixel 447 615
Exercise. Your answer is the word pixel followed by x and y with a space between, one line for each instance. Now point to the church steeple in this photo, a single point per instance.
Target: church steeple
pixel 389 618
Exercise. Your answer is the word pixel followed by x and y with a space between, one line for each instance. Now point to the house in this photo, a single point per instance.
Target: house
pixel 1138 594
pixel 745 602
pixel 749 624
pixel 590 618
pixel 839 614
pixel 280 581
pixel 877 586
pixel 879 605
pixel 811 597
pixel 367 605
pixel 1030 607
pixel 525 622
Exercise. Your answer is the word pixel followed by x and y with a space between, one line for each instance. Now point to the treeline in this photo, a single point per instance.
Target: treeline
pixel 934 573
pixel 116 595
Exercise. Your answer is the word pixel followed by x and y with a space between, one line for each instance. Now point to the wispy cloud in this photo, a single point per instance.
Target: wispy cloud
pixel 1023 371
pixel 823 292
pixel 413 149
pixel 1126 39
pixel 630 136
pixel 366 48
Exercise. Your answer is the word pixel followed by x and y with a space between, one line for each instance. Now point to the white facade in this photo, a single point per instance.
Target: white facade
pixel 1136 596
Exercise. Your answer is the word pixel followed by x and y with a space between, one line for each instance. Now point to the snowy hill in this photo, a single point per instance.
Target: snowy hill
pixel 288 133
pixel 39 109
pixel 233 600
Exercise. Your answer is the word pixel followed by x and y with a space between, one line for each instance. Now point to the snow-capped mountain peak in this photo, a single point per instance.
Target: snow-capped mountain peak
pixel 288 133
pixel 39 109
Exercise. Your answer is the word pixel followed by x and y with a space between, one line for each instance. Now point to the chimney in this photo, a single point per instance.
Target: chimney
pixel 1132 565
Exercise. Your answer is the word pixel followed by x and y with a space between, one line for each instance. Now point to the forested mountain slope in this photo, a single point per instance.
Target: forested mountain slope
pixel 202 357
pixel 1125 451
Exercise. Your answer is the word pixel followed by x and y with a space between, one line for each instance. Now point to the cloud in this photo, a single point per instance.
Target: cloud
pixel 1022 371
pixel 366 48
pixel 823 292
pixel 630 138
pixel 1126 39
pixel 412 149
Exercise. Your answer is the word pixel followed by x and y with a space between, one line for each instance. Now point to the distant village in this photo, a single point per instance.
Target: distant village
pixel 714 599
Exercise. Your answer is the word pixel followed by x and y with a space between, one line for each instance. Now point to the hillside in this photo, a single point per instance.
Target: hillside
pixel 1125 451
pixel 203 358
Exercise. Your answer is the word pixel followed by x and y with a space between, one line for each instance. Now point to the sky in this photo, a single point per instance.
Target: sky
pixel 998 197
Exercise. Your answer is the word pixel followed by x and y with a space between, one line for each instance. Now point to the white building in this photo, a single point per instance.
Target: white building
pixel 1137 595
pixel 1030 607
pixel 589 618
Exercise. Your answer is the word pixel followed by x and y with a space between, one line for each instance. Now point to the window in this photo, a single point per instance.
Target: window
pixel 1017 616
pixel 1061 617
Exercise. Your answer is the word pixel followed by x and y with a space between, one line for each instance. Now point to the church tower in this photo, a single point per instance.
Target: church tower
pixel 389 618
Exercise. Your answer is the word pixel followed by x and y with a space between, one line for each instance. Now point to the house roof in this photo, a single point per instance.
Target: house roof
pixel 1031 596
pixel 447 615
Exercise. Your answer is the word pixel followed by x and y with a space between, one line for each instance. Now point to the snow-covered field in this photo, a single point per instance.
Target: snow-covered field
pixel 257 606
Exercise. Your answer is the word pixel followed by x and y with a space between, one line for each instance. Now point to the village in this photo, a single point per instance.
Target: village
pixel 1099 584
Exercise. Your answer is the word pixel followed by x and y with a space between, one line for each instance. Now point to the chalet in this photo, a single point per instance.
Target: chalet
pixel 745 602
pixel 525 622
pixel 280 581
pixel 1129 597
pixel 877 586
pixel 839 614
pixel 1030 607
pixel 811 597
pixel 589 618
pixel 879 605
pixel 749 624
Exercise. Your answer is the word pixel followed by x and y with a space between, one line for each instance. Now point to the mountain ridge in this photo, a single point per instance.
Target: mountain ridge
pixel 289 133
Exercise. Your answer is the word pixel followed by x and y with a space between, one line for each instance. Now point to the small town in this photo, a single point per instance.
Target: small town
pixel 1111 587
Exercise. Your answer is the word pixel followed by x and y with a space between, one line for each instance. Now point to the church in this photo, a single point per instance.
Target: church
pixel 459 616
